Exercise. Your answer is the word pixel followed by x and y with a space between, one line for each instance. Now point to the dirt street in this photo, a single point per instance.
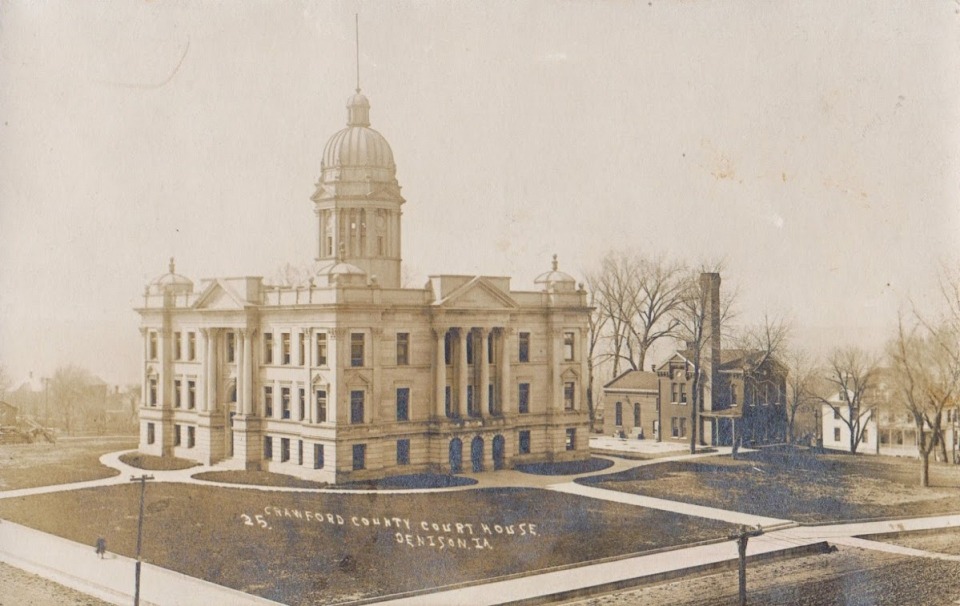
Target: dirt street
pixel 848 577
pixel 19 588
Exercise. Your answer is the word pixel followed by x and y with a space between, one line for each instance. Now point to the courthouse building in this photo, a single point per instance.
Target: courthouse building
pixel 349 376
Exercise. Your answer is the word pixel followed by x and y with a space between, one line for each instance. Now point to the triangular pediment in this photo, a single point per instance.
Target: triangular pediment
pixel 478 293
pixel 218 295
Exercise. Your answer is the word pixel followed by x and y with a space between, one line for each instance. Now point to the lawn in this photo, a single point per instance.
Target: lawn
pixel 154 463
pixel 797 485
pixel 315 548
pixel 69 460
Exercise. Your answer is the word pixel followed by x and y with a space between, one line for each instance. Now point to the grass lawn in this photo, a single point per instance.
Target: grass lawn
pixel 941 540
pixel 315 548
pixel 256 478
pixel 69 460
pixel 797 485
pixel 153 463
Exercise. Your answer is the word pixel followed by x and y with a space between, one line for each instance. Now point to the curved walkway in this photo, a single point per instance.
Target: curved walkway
pixel 77 566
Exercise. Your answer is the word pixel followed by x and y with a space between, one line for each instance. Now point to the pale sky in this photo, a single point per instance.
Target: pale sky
pixel 814 145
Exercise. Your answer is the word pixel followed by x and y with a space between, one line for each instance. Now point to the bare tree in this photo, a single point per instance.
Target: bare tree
pixel 763 345
pixel 697 327
pixel 636 297
pixel 598 320
pixel 69 393
pixel 801 381
pixel 852 373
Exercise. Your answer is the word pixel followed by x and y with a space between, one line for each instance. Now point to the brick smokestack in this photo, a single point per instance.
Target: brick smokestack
pixel 710 356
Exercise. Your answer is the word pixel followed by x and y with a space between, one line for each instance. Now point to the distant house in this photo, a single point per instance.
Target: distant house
pixel 631 404
pixel 888 427
pixel 743 391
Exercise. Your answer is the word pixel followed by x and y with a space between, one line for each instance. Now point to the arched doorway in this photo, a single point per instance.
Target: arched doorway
pixel 498 452
pixel 476 453
pixel 456 455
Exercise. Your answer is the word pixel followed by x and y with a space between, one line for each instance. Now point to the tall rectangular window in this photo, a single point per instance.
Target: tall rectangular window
pixel 359 456
pixel 569 389
pixel 403 452
pixel 673 393
pixel 836 434
pixel 490 347
pixel 268 401
pixel 674 427
pixel 285 348
pixel 177 350
pixel 318 456
pixel 231 347
pixel 523 398
pixel 448 401
pixel 267 448
pixel 403 348
pixel 448 348
pixel 571 439
pixel 299 452
pixel 471 410
pixel 301 404
pixel 191 346
pixel 403 404
pixel 683 427
pixel 268 348
pixel 152 344
pixel 733 395
pixel 284 450
pixel 636 415
pixel 177 393
pixel 301 349
pixel 153 392
pixel 321 349
pixel 176 435
pixel 469 342
pixel 491 401
pixel 284 402
pixel 525 441
pixel 524 352
pixel 356 407
pixel 618 414
pixel 151 433
pixel 321 416
pixel 683 393
pixel 191 436
pixel 356 349
pixel 191 394
pixel 568 349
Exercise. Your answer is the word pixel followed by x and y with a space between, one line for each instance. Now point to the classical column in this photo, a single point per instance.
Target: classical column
pixel 245 371
pixel 462 370
pixel 482 398
pixel 503 372
pixel 144 387
pixel 440 371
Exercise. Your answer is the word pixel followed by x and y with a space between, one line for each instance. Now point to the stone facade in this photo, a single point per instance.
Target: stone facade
pixel 348 376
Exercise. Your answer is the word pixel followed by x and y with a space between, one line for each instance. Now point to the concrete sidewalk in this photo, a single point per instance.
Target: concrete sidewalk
pixel 711 513
pixel 112 578
pixel 619 572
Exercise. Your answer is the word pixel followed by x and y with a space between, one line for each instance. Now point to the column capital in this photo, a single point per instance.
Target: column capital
pixel 338 334
pixel 440 332
pixel 143 331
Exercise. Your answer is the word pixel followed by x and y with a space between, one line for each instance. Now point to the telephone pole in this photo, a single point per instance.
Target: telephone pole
pixel 741 537
pixel 143 486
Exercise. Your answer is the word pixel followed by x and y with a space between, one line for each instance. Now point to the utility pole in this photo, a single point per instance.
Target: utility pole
pixel 143 486
pixel 741 537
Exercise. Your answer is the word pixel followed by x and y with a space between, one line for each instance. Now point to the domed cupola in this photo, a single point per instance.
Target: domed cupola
pixel 170 283
pixel 358 153
pixel 357 200
pixel 556 280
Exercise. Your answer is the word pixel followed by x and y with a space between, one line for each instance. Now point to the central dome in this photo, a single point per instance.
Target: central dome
pixel 358 146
